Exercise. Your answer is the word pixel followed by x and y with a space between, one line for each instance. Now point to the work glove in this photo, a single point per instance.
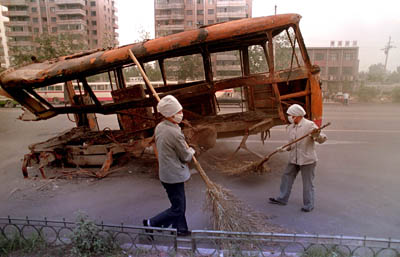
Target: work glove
pixel 280 149
pixel 191 150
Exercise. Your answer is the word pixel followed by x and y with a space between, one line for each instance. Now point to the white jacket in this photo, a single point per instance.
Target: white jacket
pixel 303 152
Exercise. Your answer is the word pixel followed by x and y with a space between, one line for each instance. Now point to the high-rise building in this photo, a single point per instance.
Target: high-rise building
pixel 93 21
pixel 339 66
pixel 173 16
pixel 4 60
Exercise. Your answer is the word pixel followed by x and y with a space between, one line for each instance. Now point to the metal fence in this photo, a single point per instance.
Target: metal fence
pixel 205 242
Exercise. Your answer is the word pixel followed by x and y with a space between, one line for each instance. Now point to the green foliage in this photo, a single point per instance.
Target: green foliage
pixel 257 60
pixel 396 94
pixel 367 94
pixel 190 67
pixel 86 240
pixel 47 47
pixel 376 73
pixel 18 243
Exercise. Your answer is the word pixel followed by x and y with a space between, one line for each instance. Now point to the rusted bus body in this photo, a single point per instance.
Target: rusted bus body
pixel 266 95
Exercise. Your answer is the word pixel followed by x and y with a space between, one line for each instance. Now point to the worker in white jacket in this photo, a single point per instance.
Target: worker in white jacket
pixel 302 157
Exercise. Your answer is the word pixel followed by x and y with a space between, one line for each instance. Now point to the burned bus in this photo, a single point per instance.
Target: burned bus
pixel 265 94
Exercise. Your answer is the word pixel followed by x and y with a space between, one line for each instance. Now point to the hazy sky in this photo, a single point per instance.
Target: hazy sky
pixel 370 22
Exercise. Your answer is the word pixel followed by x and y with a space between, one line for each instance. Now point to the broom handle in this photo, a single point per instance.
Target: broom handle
pixel 293 142
pixel 155 94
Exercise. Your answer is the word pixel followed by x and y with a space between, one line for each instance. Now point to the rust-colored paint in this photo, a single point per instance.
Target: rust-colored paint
pixel 56 70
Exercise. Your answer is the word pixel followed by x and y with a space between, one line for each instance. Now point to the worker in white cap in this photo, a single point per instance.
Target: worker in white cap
pixel 302 157
pixel 173 156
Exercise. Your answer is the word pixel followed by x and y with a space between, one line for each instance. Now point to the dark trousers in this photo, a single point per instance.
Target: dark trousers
pixel 175 215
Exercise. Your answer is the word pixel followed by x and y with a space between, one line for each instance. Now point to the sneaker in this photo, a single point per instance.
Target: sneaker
pixel 146 223
pixel 306 210
pixel 184 233
pixel 274 201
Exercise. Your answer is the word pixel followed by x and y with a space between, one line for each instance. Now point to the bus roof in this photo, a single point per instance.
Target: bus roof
pixel 212 38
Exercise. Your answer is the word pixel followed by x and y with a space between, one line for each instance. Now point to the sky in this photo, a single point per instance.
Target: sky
pixel 369 22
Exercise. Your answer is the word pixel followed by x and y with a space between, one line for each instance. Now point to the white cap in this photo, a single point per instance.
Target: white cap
pixel 296 110
pixel 169 106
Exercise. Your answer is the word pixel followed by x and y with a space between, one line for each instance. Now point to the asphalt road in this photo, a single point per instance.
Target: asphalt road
pixel 357 178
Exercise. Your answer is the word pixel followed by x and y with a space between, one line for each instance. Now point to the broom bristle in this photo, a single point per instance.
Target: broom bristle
pixel 231 214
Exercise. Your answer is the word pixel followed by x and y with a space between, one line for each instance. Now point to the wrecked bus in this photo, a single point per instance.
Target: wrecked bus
pixel 288 77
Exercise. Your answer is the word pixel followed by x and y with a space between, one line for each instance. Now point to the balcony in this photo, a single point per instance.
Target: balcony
pixel 170 17
pixel 62 2
pixel 115 26
pixel 72 21
pixel 171 27
pixel 170 6
pixel 13 2
pixel 228 67
pixel 70 12
pixel 231 14
pixel 231 3
pixel 16 13
pixel 18 33
pixel 17 23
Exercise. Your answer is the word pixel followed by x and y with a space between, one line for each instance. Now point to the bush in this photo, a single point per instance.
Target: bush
pixel 367 94
pixel 396 94
pixel 86 240
pixel 18 243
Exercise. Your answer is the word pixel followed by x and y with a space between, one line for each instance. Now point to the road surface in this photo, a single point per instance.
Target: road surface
pixel 357 178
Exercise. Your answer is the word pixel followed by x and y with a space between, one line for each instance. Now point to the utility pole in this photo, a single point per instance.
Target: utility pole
pixel 275 8
pixel 386 51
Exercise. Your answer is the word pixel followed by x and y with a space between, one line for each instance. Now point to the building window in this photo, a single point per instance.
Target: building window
pixel 94 23
pixel 35 20
pixel 94 32
pixel 93 3
pixel 319 56
pixel 44 19
pixel 333 57
pixel 210 11
pixel 54 29
pixel 210 1
pixel 200 12
pixel 210 21
pixel 199 1
pixel 189 1
pixel 189 12
pixel 53 19
pixel 34 9
pixel 52 9
pixel 36 30
pixel 190 23
pixel 348 56
pixel 93 13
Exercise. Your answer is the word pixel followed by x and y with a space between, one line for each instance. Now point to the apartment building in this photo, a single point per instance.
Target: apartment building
pixel 173 16
pixel 339 65
pixel 94 21
pixel 4 59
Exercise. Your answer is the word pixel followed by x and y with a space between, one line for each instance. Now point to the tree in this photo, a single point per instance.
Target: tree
pixel 49 46
pixel 376 73
pixel 396 94
pixel 257 60
pixel 190 67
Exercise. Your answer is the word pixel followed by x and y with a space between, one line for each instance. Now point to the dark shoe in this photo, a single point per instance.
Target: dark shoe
pixel 184 233
pixel 149 231
pixel 274 201
pixel 306 210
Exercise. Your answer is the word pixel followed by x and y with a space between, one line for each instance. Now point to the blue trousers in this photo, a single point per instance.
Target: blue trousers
pixel 175 215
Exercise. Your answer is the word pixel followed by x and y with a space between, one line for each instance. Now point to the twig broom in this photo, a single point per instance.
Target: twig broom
pixel 257 165
pixel 228 212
